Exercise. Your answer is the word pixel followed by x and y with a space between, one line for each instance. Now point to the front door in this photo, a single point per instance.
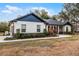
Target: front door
pixel 67 30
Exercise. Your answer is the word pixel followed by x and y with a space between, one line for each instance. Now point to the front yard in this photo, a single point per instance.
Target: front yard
pixel 62 46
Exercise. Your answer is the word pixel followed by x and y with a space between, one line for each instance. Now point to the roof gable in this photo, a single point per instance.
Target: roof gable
pixel 30 17
pixel 67 23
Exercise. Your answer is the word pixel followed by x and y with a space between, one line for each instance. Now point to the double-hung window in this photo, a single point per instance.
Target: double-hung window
pixel 38 28
pixel 23 28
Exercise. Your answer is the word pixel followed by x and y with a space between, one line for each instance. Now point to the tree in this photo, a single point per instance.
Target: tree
pixel 4 26
pixel 71 13
pixel 54 17
pixel 64 15
pixel 72 9
pixel 42 13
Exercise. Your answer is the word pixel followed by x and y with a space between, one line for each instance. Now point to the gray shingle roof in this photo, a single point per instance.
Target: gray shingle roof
pixel 32 17
pixel 53 22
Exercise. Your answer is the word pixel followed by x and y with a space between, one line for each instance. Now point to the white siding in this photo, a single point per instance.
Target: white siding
pixel 69 28
pixel 11 25
pixel 31 27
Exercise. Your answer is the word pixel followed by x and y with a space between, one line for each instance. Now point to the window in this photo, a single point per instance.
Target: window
pixel 38 28
pixel 23 28
pixel 17 30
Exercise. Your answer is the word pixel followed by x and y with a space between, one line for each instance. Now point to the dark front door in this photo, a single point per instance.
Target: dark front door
pixel 66 29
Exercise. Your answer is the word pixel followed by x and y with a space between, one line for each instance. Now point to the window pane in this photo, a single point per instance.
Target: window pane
pixel 23 28
pixel 38 28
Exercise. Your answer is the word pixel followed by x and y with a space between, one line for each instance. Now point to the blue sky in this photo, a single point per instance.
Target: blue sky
pixel 9 11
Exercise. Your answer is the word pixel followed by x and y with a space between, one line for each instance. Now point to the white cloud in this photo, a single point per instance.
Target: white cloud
pixel 14 10
pixel 11 9
pixel 6 11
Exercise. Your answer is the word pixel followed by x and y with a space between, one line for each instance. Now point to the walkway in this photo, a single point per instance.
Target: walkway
pixel 2 38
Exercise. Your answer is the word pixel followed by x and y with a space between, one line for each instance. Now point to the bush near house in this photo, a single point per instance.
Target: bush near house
pixel 32 35
pixel 29 35
pixel 10 38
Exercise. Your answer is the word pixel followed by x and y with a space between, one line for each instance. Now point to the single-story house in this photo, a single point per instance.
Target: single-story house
pixel 32 23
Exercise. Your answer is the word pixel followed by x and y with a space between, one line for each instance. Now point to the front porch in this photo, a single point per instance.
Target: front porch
pixel 58 29
pixel 53 29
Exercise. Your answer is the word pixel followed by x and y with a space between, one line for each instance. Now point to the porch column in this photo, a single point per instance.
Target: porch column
pixel 58 29
pixel 53 27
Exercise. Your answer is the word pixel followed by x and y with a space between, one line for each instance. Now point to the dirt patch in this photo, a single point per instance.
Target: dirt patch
pixel 64 48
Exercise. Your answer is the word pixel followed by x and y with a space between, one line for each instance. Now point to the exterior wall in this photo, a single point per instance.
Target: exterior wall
pixel 31 27
pixel 11 25
pixel 64 28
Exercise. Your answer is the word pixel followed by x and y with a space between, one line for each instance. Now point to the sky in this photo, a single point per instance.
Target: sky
pixel 10 11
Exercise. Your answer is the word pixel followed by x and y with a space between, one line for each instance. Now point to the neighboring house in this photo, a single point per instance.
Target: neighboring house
pixel 32 23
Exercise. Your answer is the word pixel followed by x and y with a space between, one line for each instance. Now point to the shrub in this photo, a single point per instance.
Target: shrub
pixel 45 32
pixel 29 35
pixel 41 35
pixel 32 35
pixel 9 38
pixel 17 35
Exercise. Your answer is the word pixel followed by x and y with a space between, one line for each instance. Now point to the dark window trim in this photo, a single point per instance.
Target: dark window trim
pixel 23 29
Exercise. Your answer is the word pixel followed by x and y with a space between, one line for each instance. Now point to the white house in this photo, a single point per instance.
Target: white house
pixel 32 23
pixel 27 24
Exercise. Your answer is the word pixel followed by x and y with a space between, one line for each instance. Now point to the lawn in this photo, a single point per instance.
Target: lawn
pixel 51 47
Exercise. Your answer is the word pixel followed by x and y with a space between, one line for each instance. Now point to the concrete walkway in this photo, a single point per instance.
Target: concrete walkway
pixel 2 38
